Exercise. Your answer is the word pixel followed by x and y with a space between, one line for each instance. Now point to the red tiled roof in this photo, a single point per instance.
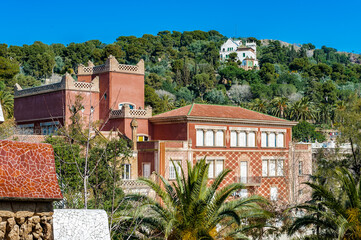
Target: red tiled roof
pixel 217 111
pixel 27 171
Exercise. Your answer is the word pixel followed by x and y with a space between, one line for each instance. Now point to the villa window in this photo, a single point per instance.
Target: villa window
pixel 272 139
pixel 241 137
pixel 273 193
pixel 142 138
pixel 172 170
pixel 126 172
pixel 272 168
pixel 300 168
pixel 146 169
pixel 26 129
pixel 49 128
pixel 120 106
pixel 244 54
pixel 209 136
pixel 215 167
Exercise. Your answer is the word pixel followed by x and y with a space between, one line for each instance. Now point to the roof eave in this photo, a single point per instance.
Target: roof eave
pixel 222 120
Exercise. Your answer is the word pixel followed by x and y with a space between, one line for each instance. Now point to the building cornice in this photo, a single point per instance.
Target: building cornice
pixel 252 122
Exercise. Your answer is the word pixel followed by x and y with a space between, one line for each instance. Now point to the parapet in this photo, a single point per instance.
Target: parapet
pixel 66 83
pixel 126 112
pixel 111 65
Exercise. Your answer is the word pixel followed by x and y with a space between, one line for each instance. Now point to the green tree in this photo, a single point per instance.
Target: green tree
pixel 191 209
pixel 337 212
pixel 306 132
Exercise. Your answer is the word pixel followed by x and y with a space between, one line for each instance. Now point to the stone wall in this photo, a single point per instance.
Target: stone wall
pixel 26 220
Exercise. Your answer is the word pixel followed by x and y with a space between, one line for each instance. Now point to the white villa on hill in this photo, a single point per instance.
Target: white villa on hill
pixel 246 54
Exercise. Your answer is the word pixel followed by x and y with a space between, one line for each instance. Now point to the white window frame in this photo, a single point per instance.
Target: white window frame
pixel 212 170
pixel 206 136
pixel 266 142
pixel 266 170
pixel 150 169
pixel 274 197
pixel 243 137
pixel 126 175
pixel 172 173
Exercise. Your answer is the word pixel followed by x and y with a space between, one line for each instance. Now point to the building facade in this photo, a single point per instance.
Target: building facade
pixel 246 54
pixel 255 146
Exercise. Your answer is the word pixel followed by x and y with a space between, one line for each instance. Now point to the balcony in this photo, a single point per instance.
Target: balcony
pixel 127 112
pixel 249 181
pixel 134 186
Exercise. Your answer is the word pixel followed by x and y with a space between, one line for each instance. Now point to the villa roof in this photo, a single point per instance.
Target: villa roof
pixel 207 111
pixel 27 172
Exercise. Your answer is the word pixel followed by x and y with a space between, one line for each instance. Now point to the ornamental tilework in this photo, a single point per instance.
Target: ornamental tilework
pixel 27 170
pixel 232 161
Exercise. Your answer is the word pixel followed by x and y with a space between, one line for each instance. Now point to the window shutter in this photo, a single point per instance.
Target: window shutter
pixel 264 140
pixel 219 139
pixel 199 138
pixel 251 139
pixel 272 140
pixel 209 138
pixel 280 140
pixel 264 168
pixel 242 139
pixel 219 167
pixel 272 168
pixel 233 138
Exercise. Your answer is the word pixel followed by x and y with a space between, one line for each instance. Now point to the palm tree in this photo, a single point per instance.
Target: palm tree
pixel 302 110
pixel 259 105
pixel 335 211
pixel 192 208
pixel 279 107
pixel 7 103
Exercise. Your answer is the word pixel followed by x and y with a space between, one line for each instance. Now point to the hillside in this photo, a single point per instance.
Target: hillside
pixel 298 82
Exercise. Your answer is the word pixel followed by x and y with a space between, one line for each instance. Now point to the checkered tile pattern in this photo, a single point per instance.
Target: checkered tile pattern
pixel 232 161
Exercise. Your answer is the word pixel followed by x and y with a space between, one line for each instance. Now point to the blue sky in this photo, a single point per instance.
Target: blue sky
pixel 331 23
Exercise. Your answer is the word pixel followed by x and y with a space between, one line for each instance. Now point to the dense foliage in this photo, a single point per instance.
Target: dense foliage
pixel 294 82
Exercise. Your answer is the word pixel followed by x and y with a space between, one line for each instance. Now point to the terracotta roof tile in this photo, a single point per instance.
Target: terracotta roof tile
pixel 217 111
pixel 27 171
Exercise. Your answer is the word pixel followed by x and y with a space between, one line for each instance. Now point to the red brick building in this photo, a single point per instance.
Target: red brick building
pixel 255 146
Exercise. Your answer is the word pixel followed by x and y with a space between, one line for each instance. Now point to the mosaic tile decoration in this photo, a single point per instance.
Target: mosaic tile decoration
pixel 80 224
pixel 27 171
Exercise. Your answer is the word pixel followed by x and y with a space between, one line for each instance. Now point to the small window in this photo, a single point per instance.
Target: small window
pixel 272 140
pixel 264 139
pixel 146 169
pixel 200 137
pixel 272 168
pixel 172 171
pixel 126 172
pixel 280 140
pixel 251 141
pixel 120 106
pixel 242 139
pixel 209 138
pixel 142 138
pixel 273 193
pixel 244 54
pixel 300 167
pixel 105 96
pixel 219 139
pixel 265 168
pixel 233 138
pixel 244 193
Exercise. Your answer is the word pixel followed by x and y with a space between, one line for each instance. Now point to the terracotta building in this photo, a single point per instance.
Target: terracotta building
pixel 255 146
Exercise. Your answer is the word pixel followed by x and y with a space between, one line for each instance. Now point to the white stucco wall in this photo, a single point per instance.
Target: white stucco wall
pixel 80 224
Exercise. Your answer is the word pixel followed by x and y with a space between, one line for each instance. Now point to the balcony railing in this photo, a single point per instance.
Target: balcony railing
pixel 249 181
pixel 126 112
pixel 134 186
